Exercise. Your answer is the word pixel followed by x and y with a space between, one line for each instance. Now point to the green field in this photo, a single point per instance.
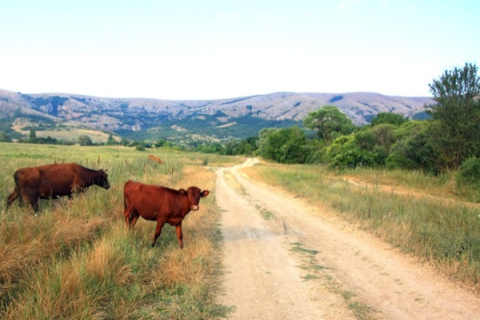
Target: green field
pixel 76 260
pixel 69 134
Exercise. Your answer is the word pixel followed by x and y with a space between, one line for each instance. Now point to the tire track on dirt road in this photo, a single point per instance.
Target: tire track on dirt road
pixel 263 278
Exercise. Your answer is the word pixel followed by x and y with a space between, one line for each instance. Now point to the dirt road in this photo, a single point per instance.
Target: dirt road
pixel 286 260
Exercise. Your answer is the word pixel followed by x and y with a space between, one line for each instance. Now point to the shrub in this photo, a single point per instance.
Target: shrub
pixel 469 172
pixel 353 158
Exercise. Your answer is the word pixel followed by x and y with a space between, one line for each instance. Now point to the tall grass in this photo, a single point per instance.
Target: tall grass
pixel 77 260
pixel 444 233
pixel 443 185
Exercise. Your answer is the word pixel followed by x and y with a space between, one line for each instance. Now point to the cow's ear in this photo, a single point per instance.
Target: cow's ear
pixel 204 193
pixel 182 191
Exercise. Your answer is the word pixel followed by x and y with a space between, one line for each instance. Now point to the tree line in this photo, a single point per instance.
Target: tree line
pixel 449 139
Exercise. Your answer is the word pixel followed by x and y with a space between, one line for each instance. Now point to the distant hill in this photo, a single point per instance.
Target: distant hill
pixel 195 120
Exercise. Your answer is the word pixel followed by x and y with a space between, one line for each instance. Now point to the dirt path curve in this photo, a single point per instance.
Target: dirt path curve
pixel 285 260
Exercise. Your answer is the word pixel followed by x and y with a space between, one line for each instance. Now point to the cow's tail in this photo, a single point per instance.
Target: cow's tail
pixel 125 203
pixel 16 193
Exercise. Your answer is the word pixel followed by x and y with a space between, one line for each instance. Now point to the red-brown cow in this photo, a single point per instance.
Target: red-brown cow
pixel 53 181
pixel 162 204
pixel 156 159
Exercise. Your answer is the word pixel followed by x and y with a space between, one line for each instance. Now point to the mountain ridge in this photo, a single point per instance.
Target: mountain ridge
pixel 222 116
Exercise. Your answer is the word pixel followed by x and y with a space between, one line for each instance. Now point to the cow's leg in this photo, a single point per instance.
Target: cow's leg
pixel 133 219
pixel 31 198
pixel 127 218
pixel 33 201
pixel 157 231
pixel 35 206
pixel 178 228
pixel 128 213
pixel 12 197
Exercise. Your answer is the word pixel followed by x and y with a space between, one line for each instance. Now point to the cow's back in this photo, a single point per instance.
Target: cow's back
pixel 48 180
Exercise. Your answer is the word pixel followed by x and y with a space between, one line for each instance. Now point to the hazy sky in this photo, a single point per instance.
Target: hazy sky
pixel 212 49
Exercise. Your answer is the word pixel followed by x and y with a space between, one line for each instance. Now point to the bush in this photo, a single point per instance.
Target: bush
pixel 468 179
pixel 344 153
pixel 352 159
pixel 469 172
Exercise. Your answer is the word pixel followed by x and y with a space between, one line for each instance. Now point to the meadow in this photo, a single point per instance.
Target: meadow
pixel 77 260
pixel 68 134
pixel 424 216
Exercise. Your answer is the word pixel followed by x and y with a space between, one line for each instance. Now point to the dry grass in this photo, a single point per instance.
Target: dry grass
pixel 76 260
pixel 445 233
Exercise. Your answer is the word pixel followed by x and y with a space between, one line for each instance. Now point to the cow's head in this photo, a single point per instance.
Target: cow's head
pixel 102 179
pixel 194 194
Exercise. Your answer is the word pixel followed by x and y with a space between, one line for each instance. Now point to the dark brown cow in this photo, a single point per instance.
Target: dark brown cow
pixel 53 181
pixel 162 204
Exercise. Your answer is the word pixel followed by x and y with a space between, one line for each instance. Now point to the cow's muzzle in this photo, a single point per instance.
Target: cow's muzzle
pixel 195 208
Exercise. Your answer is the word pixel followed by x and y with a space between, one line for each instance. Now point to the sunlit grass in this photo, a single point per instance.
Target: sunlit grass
pixel 77 260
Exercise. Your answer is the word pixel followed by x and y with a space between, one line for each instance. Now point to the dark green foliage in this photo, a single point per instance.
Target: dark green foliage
pixel 470 171
pixel 365 139
pixel 468 180
pixel 5 137
pixel 124 142
pixel 384 135
pixel 352 159
pixel 110 140
pixel 414 153
pixel 215 147
pixel 33 134
pixel 205 126
pixel 329 122
pixel 456 115
pixel 388 117
pixel 283 145
pixel 84 140
pixel 344 153
pixel 140 147
pixel 245 146
pixel 368 147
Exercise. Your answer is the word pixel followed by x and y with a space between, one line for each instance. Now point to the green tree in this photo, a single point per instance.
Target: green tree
pixel 33 134
pixel 329 122
pixel 111 140
pixel 84 140
pixel 286 145
pixel 5 137
pixel 413 148
pixel 345 153
pixel 388 117
pixel 456 132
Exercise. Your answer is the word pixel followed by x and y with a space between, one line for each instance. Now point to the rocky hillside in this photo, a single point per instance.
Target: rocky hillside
pixel 242 116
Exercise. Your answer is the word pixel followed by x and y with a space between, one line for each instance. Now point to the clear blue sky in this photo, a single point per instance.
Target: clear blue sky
pixel 212 49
